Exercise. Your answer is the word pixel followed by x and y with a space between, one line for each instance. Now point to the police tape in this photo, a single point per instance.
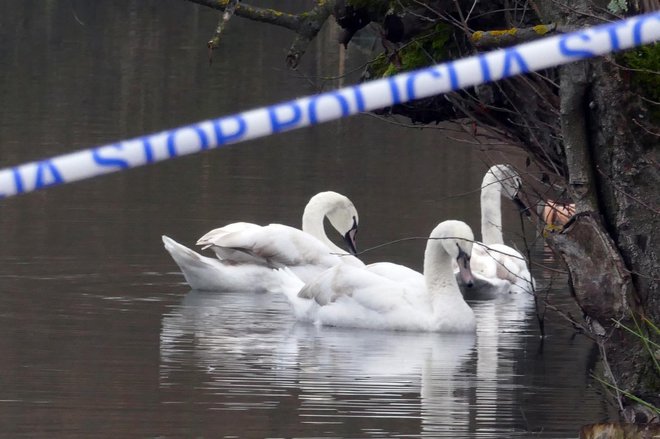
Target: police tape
pixel 312 110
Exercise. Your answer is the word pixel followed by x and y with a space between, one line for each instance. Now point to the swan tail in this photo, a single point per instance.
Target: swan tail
pixel 182 254
pixel 201 272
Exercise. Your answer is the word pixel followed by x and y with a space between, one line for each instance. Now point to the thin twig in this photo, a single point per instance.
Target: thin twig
pixel 222 22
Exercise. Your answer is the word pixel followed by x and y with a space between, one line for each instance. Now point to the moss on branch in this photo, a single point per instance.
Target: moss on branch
pixel 264 15
pixel 507 37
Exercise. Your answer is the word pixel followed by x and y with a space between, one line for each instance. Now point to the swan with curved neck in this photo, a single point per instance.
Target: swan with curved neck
pixel 341 213
pixel 250 243
pixel 356 297
pixel 246 253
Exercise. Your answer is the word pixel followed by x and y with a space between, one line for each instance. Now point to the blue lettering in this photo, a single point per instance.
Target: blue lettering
pixel 109 161
pixel 453 77
pixel 43 168
pixel 410 81
pixel 281 125
pixel 359 98
pixel 148 150
pixel 396 98
pixel 223 138
pixel 637 28
pixel 18 181
pixel 612 30
pixel 343 103
pixel 511 55
pixel 171 137
pixel 576 53
pixel 485 70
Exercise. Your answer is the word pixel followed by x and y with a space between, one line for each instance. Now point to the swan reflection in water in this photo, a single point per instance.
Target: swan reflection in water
pixel 247 351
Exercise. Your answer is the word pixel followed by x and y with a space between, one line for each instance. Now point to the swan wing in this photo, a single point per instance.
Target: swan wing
pixel 398 273
pixel 234 256
pixel 354 297
pixel 275 245
pixel 482 263
pixel 211 236
pixel 510 265
pixel 360 287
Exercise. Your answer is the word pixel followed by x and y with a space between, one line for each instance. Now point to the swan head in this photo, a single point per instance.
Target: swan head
pixel 456 238
pixel 510 183
pixel 341 213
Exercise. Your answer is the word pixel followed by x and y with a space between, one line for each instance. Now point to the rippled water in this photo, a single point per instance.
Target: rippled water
pixel 250 355
pixel 100 337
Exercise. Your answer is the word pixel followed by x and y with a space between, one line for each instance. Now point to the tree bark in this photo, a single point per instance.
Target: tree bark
pixel 610 247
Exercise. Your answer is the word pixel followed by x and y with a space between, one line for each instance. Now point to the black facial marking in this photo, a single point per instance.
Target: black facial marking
pixel 350 237
pixel 521 206
pixel 462 255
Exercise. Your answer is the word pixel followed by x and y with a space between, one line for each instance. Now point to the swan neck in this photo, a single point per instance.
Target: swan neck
pixel 312 223
pixel 491 211
pixel 438 271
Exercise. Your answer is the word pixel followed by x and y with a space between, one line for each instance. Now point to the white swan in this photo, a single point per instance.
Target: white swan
pixel 496 266
pixel 398 273
pixel 356 297
pixel 499 271
pixel 247 253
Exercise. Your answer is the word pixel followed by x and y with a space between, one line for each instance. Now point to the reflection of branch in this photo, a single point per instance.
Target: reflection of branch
pixel 307 24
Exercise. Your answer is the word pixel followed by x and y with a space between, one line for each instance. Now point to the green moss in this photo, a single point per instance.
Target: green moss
pixel 499 33
pixel 541 29
pixel 421 52
pixel 646 59
pixel 379 65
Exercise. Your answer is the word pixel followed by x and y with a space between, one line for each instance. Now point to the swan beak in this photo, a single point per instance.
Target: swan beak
pixel 521 206
pixel 349 237
pixel 463 261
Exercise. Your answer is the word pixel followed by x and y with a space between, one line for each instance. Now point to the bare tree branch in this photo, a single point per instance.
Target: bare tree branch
pixel 270 16
pixel 307 24
pixel 224 19
pixel 508 37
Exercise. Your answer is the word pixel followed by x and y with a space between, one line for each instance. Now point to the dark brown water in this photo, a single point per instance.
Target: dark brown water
pixel 99 337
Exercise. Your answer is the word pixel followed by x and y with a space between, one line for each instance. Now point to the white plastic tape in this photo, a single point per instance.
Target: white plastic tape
pixel 311 110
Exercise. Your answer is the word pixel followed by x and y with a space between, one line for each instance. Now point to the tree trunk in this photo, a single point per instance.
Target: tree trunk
pixel 611 246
